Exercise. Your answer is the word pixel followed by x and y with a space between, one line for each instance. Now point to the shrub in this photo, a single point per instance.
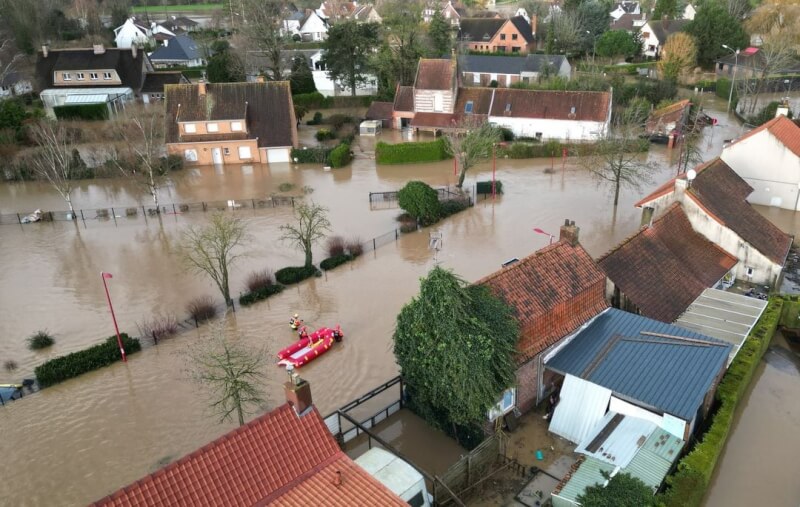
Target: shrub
pixel 310 100
pixel 258 280
pixel 159 327
pixel 452 206
pixel 485 187
pixel 324 135
pixel 40 340
pixel 335 246
pixel 333 261
pixel 337 121
pixel 766 114
pixel 10 365
pixel 506 134
pixel 341 156
pixel 420 201
pixel 202 308
pixel 285 187
pixel 82 112
pixel 259 294
pixel 295 274
pixel 314 155
pixel 354 247
pixel 406 227
pixel 316 120
pixel 77 363
pixel 409 153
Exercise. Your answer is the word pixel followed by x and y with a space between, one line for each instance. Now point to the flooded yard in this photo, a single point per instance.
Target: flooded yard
pixel 88 436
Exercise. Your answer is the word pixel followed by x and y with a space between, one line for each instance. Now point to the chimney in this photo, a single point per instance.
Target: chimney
pixel 98 49
pixel 534 23
pixel 569 233
pixel 261 79
pixel 45 50
pixel 134 50
pixel 783 108
pixel 298 393
pixel 201 88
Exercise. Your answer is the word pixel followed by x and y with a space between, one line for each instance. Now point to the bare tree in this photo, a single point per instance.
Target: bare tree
pixel 9 57
pixel 142 131
pixel 312 225
pixel 678 56
pixel 471 142
pixel 212 249
pixel 263 30
pixel 776 54
pixel 54 161
pixel 617 161
pixel 233 372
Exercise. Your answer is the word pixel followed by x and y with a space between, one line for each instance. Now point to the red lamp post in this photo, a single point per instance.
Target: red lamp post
pixel 105 277
pixel 539 231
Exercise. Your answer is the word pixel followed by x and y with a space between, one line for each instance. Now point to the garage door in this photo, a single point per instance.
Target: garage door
pixel 278 155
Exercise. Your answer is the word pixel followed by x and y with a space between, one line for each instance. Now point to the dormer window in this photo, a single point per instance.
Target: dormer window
pixel 212 127
pixel 80 76
pixel 236 126
pixel 508 107
pixel 468 107
pixel 190 128
pixel 107 76
pixel 93 76
pixel 65 76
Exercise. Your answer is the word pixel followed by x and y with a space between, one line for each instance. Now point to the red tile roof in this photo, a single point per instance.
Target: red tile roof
pixel 552 292
pixel 552 105
pixel 379 111
pixel 784 129
pixel 404 99
pixel 278 458
pixel 663 268
pixel 673 113
pixel 435 74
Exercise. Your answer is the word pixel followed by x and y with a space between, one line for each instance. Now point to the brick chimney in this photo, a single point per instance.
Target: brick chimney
pixel 98 49
pixel 45 50
pixel 569 233
pixel 298 393
pixel 534 23
pixel 201 88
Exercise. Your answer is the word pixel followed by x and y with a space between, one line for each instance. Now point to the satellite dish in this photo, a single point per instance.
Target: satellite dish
pixel 691 174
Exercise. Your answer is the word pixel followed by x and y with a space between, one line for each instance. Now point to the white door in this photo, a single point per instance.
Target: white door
pixel 278 155
pixel 216 156
pixel 438 103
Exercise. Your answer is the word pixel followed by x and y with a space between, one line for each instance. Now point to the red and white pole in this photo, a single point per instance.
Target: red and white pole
pixel 105 277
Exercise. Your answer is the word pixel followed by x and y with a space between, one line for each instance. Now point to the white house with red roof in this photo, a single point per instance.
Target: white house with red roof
pixel 768 159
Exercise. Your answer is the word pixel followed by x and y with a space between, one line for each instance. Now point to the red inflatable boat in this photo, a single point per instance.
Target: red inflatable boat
pixel 310 347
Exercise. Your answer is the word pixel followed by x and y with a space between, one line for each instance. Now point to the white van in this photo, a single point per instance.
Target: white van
pixel 397 475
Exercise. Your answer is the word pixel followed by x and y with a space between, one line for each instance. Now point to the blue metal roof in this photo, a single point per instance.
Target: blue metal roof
pixel 180 47
pixel 667 374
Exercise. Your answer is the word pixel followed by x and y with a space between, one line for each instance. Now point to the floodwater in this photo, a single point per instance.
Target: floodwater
pixel 91 435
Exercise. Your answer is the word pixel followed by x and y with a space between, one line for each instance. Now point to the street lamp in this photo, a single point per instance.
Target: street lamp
pixel 105 277
pixel 735 65
pixel 539 231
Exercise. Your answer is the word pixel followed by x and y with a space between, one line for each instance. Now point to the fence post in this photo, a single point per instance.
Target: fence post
pixel 19 219
pixel 174 211
pixel 155 340
pixel 396 235
pixel 292 201
pixel 204 205
pixel 469 465
pixel 374 247
pixel 51 216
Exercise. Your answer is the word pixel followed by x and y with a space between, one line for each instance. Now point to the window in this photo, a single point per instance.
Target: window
pixel 749 272
pixel 80 76
pixel 93 76
pixel 508 107
pixel 645 35
pixel 539 136
pixel 226 151
pixel 515 49
pixel 468 107
pixel 66 76
pixel 476 78
pixel 236 126
pixel 212 127
pixel 190 155
pixel 106 75
pixel 505 405
pixel 417 500
pixel 502 36
pixel 514 36
pixel 189 128
pixel 244 153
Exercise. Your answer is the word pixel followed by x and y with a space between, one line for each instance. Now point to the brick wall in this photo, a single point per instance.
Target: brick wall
pixel 509 30
pixel 527 384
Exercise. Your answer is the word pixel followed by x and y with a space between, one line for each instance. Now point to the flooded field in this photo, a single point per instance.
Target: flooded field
pixel 86 437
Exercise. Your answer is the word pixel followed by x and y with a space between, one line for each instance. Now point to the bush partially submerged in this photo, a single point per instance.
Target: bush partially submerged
pixel 295 274
pixel 69 366
pixel 332 262
pixel 202 308
pixel 453 206
pixel 335 246
pixel 10 365
pixel 354 246
pixel 259 294
pixel 258 280
pixel 40 340
pixel 159 327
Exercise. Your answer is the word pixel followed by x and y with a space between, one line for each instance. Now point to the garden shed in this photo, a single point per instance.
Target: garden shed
pixel 370 127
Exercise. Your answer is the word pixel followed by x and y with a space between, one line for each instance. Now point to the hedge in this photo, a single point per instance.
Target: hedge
pixel 66 367
pixel 556 149
pixel 82 112
pixel 723 91
pixel 451 207
pixel 316 100
pixel 688 484
pixel 295 274
pixel 260 294
pixel 341 155
pixel 410 153
pixel 316 155
pixel 485 187
pixel 337 260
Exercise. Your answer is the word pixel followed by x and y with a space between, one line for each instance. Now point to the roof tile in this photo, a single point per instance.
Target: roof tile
pixel 784 129
pixel 552 105
pixel 435 74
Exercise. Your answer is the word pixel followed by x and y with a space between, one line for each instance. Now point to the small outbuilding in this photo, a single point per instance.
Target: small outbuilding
pixel 370 127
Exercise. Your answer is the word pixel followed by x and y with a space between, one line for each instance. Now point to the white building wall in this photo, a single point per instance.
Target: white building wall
pixel 327 87
pixel 314 29
pixel 650 44
pixel 769 167
pixel 552 129
pixel 129 33
pixel 425 100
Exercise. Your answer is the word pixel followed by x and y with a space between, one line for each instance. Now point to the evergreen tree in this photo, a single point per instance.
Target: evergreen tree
pixel 440 35
pixel 712 27
pixel 347 52
pixel 668 8
pixel 301 79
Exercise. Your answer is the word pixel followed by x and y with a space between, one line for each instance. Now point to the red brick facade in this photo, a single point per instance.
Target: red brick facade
pixel 527 384
pixel 507 40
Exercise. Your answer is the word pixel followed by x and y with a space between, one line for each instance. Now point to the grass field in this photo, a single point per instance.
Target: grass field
pixel 177 8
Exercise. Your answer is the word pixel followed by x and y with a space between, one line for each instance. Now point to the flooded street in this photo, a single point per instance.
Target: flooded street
pixel 88 436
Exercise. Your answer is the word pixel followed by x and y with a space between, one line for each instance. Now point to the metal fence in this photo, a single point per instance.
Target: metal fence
pixel 131 212
pixel 388 199
pixel 344 430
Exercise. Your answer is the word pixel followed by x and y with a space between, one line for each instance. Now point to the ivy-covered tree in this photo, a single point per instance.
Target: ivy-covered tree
pixel 454 344
pixel 622 490
pixel 347 52
pixel 712 27
pixel 420 201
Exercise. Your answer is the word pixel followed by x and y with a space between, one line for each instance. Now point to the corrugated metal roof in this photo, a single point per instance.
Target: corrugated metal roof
pixel 654 460
pixel 582 405
pixel 723 315
pixel 661 371
pixel 588 474
pixel 621 443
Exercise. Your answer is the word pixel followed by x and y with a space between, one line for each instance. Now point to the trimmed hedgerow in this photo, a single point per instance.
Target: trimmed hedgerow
pixel 315 155
pixel 451 207
pixel 554 148
pixel 295 274
pixel 411 153
pixel 340 156
pixel 689 483
pixel 332 262
pixel 259 294
pixel 77 363
pixel 485 187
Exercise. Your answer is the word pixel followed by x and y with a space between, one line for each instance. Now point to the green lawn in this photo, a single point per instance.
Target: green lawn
pixel 177 8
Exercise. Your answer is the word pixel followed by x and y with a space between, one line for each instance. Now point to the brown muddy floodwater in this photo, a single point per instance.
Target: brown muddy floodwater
pixel 82 439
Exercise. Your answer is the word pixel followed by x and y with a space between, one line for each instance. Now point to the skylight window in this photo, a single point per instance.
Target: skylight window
pixel 468 107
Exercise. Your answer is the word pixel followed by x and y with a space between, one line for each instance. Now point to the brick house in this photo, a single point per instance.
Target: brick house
pixel 497 35
pixel 230 123
pixel 553 292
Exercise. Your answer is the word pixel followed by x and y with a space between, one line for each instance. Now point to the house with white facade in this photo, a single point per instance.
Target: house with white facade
pixel 14 84
pixel 451 12
pixel 625 7
pixel 483 70
pixel 656 32
pixel 768 159
pixel 306 25
pixel 137 32
pixel 689 12
pixel 714 199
